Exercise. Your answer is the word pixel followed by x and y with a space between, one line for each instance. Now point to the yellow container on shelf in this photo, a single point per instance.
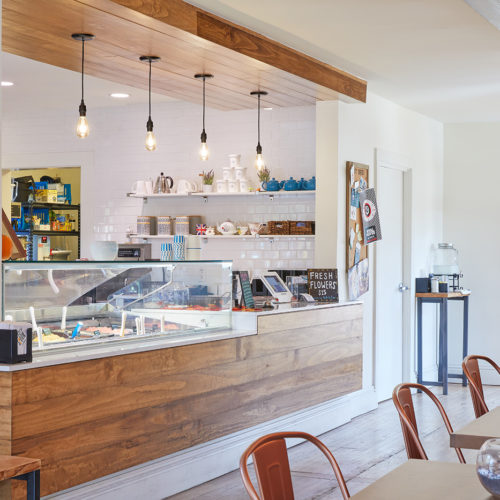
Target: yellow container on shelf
pixel 46 195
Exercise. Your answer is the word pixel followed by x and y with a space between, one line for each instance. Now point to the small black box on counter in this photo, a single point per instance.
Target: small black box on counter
pixel 15 342
pixel 422 285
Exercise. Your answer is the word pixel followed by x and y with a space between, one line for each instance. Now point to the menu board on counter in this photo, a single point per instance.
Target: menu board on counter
pixel 323 285
pixel 246 289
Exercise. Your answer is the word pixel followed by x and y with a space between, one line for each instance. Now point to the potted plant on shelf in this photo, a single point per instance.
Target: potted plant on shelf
pixel 264 175
pixel 208 181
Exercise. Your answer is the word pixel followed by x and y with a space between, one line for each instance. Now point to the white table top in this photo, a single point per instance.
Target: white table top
pixel 427 480
pixel 474 434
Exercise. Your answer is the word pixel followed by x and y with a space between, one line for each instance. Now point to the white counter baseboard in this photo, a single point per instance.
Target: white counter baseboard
pixel 180 471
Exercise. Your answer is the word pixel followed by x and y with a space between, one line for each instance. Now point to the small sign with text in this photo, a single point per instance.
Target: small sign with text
pixel 323 284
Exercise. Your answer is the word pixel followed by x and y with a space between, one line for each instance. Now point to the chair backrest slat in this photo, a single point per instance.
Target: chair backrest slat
pixel 273 469
pixel 403 401
pixel 470 366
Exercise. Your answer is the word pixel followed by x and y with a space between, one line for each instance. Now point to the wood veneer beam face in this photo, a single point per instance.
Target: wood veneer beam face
pixel 5 426
pixel 181 35
pixel 89 419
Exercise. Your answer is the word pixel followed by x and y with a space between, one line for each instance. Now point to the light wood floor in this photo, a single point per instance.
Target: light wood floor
pixel 366 448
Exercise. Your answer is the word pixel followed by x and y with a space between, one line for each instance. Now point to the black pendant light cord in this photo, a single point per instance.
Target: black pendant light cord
pixel 150 89
pixel 203 133
pixel 258 121
pixel 83 108
pixel 204 79
pixel 149 124
pixel 83 62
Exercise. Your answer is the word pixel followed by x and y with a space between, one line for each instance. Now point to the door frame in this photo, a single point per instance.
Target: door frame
pixel 397 161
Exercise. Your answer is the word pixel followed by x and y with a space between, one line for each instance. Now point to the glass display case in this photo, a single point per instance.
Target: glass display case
pixel 87 303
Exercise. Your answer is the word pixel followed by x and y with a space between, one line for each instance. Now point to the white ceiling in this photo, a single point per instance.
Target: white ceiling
pixel 38 86
pixel 438 57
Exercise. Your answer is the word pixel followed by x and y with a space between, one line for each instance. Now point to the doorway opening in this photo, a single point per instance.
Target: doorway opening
pixel 393 282
pixel 46 214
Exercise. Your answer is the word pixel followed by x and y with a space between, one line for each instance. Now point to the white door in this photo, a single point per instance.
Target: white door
pixel 389 282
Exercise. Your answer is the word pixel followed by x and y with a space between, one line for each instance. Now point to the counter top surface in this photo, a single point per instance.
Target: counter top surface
pixel 244 324
pixel 296 307
pixel 75 354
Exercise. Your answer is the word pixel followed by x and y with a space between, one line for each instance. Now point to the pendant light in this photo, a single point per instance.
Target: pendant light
pixel 82 127
pixel 204 153
pixel 259 160
pixel 150 137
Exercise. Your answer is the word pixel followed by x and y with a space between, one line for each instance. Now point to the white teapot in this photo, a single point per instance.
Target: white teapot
pixel 227 228
pixel 185 187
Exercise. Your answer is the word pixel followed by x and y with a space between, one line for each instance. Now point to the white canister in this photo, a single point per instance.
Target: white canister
pixel 193 249
pixel 234 160
pixel 244 185
pixel 240 173
pixel 228 173
pixel 435 285
pixel 221 185
pixel 233 186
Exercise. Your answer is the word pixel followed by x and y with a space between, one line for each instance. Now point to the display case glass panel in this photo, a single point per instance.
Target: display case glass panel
pixel 87 303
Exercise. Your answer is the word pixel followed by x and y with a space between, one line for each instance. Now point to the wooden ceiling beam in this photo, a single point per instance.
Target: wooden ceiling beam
pixel 203 24
pixel 41 30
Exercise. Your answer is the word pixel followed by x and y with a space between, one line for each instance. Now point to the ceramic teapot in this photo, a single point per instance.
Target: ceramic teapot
pixel 272 185
pixel 309 185
pixel 226 228
pixel 291 185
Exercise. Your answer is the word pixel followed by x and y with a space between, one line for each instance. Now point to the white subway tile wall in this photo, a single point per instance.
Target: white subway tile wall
pixel 117 143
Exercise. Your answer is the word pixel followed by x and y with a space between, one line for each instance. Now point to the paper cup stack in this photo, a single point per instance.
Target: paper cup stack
pixel 179 247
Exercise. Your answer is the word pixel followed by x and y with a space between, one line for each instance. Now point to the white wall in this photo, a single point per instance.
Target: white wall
pixel 472 174
pixel 384 125
pixel 289 141
pixel 119 158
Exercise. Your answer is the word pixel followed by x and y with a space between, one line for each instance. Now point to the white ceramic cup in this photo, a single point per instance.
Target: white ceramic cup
pixel 149 186
pixel 228 173
pixel 139 188
pixel 221 186
pixel 240 173
pixel 234 160
pixel 244 185
pixel 185 187
pixel 254 227
pixel 233 186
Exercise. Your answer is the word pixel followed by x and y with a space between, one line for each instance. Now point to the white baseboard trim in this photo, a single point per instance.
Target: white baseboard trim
pixel 489 375
pixel 185 469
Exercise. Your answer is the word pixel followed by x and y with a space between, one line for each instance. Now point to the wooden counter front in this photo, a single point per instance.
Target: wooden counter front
pixel 92 418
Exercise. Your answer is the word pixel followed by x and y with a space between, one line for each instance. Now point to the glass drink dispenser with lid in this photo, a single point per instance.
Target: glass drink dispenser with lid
pixel 445 264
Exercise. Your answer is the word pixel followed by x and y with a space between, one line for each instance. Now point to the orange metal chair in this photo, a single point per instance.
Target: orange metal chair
pixel 402 398
pixel 470 366
pixel 272 468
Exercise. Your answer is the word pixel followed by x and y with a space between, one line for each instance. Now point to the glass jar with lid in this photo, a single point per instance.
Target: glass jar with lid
pixel 445 260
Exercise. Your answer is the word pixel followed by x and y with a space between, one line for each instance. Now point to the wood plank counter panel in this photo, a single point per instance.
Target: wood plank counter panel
pixel 92 418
